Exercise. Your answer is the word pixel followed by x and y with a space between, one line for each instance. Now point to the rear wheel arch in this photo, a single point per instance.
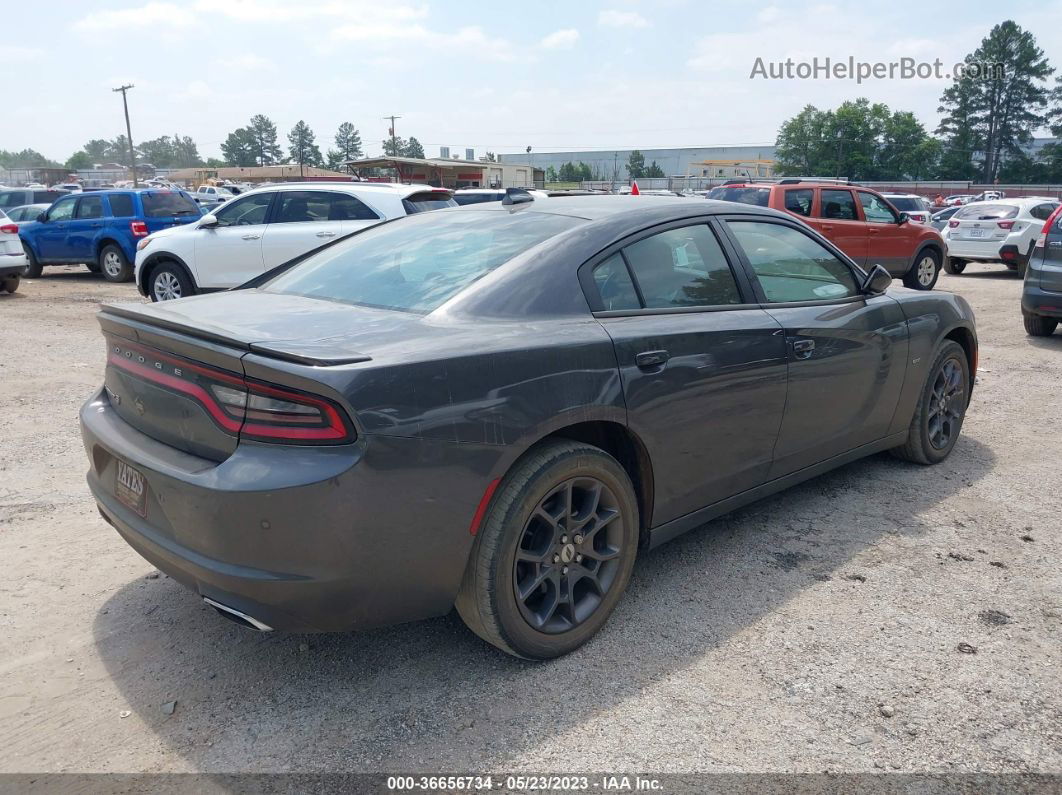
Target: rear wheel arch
pixel 103 242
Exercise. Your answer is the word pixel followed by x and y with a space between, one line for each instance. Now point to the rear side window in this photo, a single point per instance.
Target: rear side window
pixel 790 266
pixel 345 207
pixel 1042 211
pixel 422 202
pixel 42 196
pixel 90 207
pixel 744 195
pixel 838 205
pixel 417 263
pixel 121 205
pixel 614 284
pixel 159 204
pixel 13 198
pixel 682 267
pixel 798 200
pixel 984 211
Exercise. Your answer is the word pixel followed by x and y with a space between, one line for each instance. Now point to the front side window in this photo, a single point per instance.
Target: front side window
pixel 247 211
pixel 682 267
pixel 876 210
pixel 417 263
pixel 90 207
pixel 614 284
pixel 838 205
pixel 62 210
pixel 790 266
pixel 798 200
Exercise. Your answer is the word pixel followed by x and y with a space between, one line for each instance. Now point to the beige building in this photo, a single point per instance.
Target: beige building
pixel 448 173
pixel 280 173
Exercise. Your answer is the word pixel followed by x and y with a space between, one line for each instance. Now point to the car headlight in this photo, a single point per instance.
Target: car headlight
pixel 142 244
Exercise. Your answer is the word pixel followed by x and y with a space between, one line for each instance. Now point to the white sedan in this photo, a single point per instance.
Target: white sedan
pixel 263 228
pixel 1003 230
pixel 12 255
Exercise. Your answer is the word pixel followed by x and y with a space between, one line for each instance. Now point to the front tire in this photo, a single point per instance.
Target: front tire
pixel 33 267
pixel 10 283
pixel 923 275
pixel 941 409
pixel 113 264
pixel 169 282
pixel 1039 326
pixel 554 552
pixel 954 266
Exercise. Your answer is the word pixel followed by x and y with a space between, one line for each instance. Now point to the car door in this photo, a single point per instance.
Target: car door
pixel 703 367
pixel 83 228
pixel 303 220
pixel 230 252
pixel 51 236
pixel 847 351
pixel 889 243
pixel 837 219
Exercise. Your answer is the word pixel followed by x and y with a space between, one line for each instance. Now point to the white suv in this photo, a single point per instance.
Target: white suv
pixel 263 228
pixel 1001 230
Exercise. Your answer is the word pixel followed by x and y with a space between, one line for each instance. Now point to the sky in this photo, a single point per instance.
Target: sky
pixel 498 76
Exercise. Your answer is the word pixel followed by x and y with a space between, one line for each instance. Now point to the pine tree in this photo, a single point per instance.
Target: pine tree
pixel 303 148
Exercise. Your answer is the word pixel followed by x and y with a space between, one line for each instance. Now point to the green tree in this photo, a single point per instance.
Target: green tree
pixel 348 146
pixel 799 145
pixel 959 139
pixel 1008 103
pixel 98 150
pixel 906 150
pixel 636 165
pixel 654 171
pixel 395 148
pixel 213 162
pixel 79 160
pixel 414 149
pixel 185 152
pixel 490 157
pixel 158 152
pixel 302 146
pixel 27 158
pixel 239 148
pixel 264 135
pixel 551 175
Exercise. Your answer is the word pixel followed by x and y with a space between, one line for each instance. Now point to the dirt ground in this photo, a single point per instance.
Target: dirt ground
pixel 816 631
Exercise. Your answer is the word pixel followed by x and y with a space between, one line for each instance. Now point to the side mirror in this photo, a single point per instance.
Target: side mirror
pixel 877 282
pixel 42 217
pixel 903 219
pixel 208 221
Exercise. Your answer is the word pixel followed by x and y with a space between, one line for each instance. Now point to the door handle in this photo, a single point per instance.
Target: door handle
pixel 96 226
pixel 802 349
pixel 1054 243
pixel 251 237
pixel 872 231
pixel 326 234
pixel 650 359
pixel 827 228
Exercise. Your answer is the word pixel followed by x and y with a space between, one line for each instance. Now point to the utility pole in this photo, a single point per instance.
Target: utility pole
pixel 615 170
pixel 129 133
pixel 394 138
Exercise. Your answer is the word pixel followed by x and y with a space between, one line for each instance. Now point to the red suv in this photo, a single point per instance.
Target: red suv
pixel 859 221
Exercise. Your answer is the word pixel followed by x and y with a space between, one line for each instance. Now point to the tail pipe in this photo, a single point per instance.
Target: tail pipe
pixel 232 614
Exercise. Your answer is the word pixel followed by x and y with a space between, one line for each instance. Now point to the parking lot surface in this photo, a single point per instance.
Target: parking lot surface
pixel 882 617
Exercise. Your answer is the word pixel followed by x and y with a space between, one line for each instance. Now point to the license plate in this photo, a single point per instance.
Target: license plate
pixel 130 488
pixel 977 233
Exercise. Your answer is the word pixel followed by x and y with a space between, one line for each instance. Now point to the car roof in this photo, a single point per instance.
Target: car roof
pixel 395 188
pixel 903 195
pixel 479 190
pixel 595 207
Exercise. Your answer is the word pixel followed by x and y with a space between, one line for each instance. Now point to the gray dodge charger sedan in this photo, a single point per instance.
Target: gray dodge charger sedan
pixel 496 408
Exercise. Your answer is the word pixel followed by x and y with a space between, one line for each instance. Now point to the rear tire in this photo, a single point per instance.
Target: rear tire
pixel 113 264
pixel 168 282
pixel 94 267
pixel 941 408
pixel 925 272
pixel 1039 326
pixel 554 552
pixel 10 283
pixel 33 267
pixel 954 266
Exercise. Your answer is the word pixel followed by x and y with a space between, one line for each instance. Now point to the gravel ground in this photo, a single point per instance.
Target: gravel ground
pixel 817 630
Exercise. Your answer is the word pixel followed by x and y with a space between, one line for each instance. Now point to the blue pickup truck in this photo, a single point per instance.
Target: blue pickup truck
pixel 101 229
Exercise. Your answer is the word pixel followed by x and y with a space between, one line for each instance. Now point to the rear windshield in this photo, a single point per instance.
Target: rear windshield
pixel 420 202
pixel 162 203
pixel 417 263
pixel 906 204
pixel 983 211
pixel 736 193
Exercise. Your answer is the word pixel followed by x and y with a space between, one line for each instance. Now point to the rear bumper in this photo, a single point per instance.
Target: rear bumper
pixel 12 264
pixel 987 251
pixel 1035 301
pixel 301 539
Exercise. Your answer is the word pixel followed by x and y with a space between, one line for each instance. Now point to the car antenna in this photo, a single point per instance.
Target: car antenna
pixel 517 196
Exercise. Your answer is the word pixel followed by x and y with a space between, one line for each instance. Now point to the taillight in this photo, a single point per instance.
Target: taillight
pixel 1005 224
pixel 138 228
pixel 236 404
pixel 1041 241
pixel 953 224
pixel 9 229
pixel 918 218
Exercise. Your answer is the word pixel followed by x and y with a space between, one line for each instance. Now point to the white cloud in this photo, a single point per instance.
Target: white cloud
pixel 769 14
pixel 152 14
pixel 611 18
pixel 279 11
pixel 560 39
pixel 16 53
pixel 247 62
pixel 470 40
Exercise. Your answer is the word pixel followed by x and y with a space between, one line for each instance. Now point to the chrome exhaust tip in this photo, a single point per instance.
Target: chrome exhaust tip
pixel 233 614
